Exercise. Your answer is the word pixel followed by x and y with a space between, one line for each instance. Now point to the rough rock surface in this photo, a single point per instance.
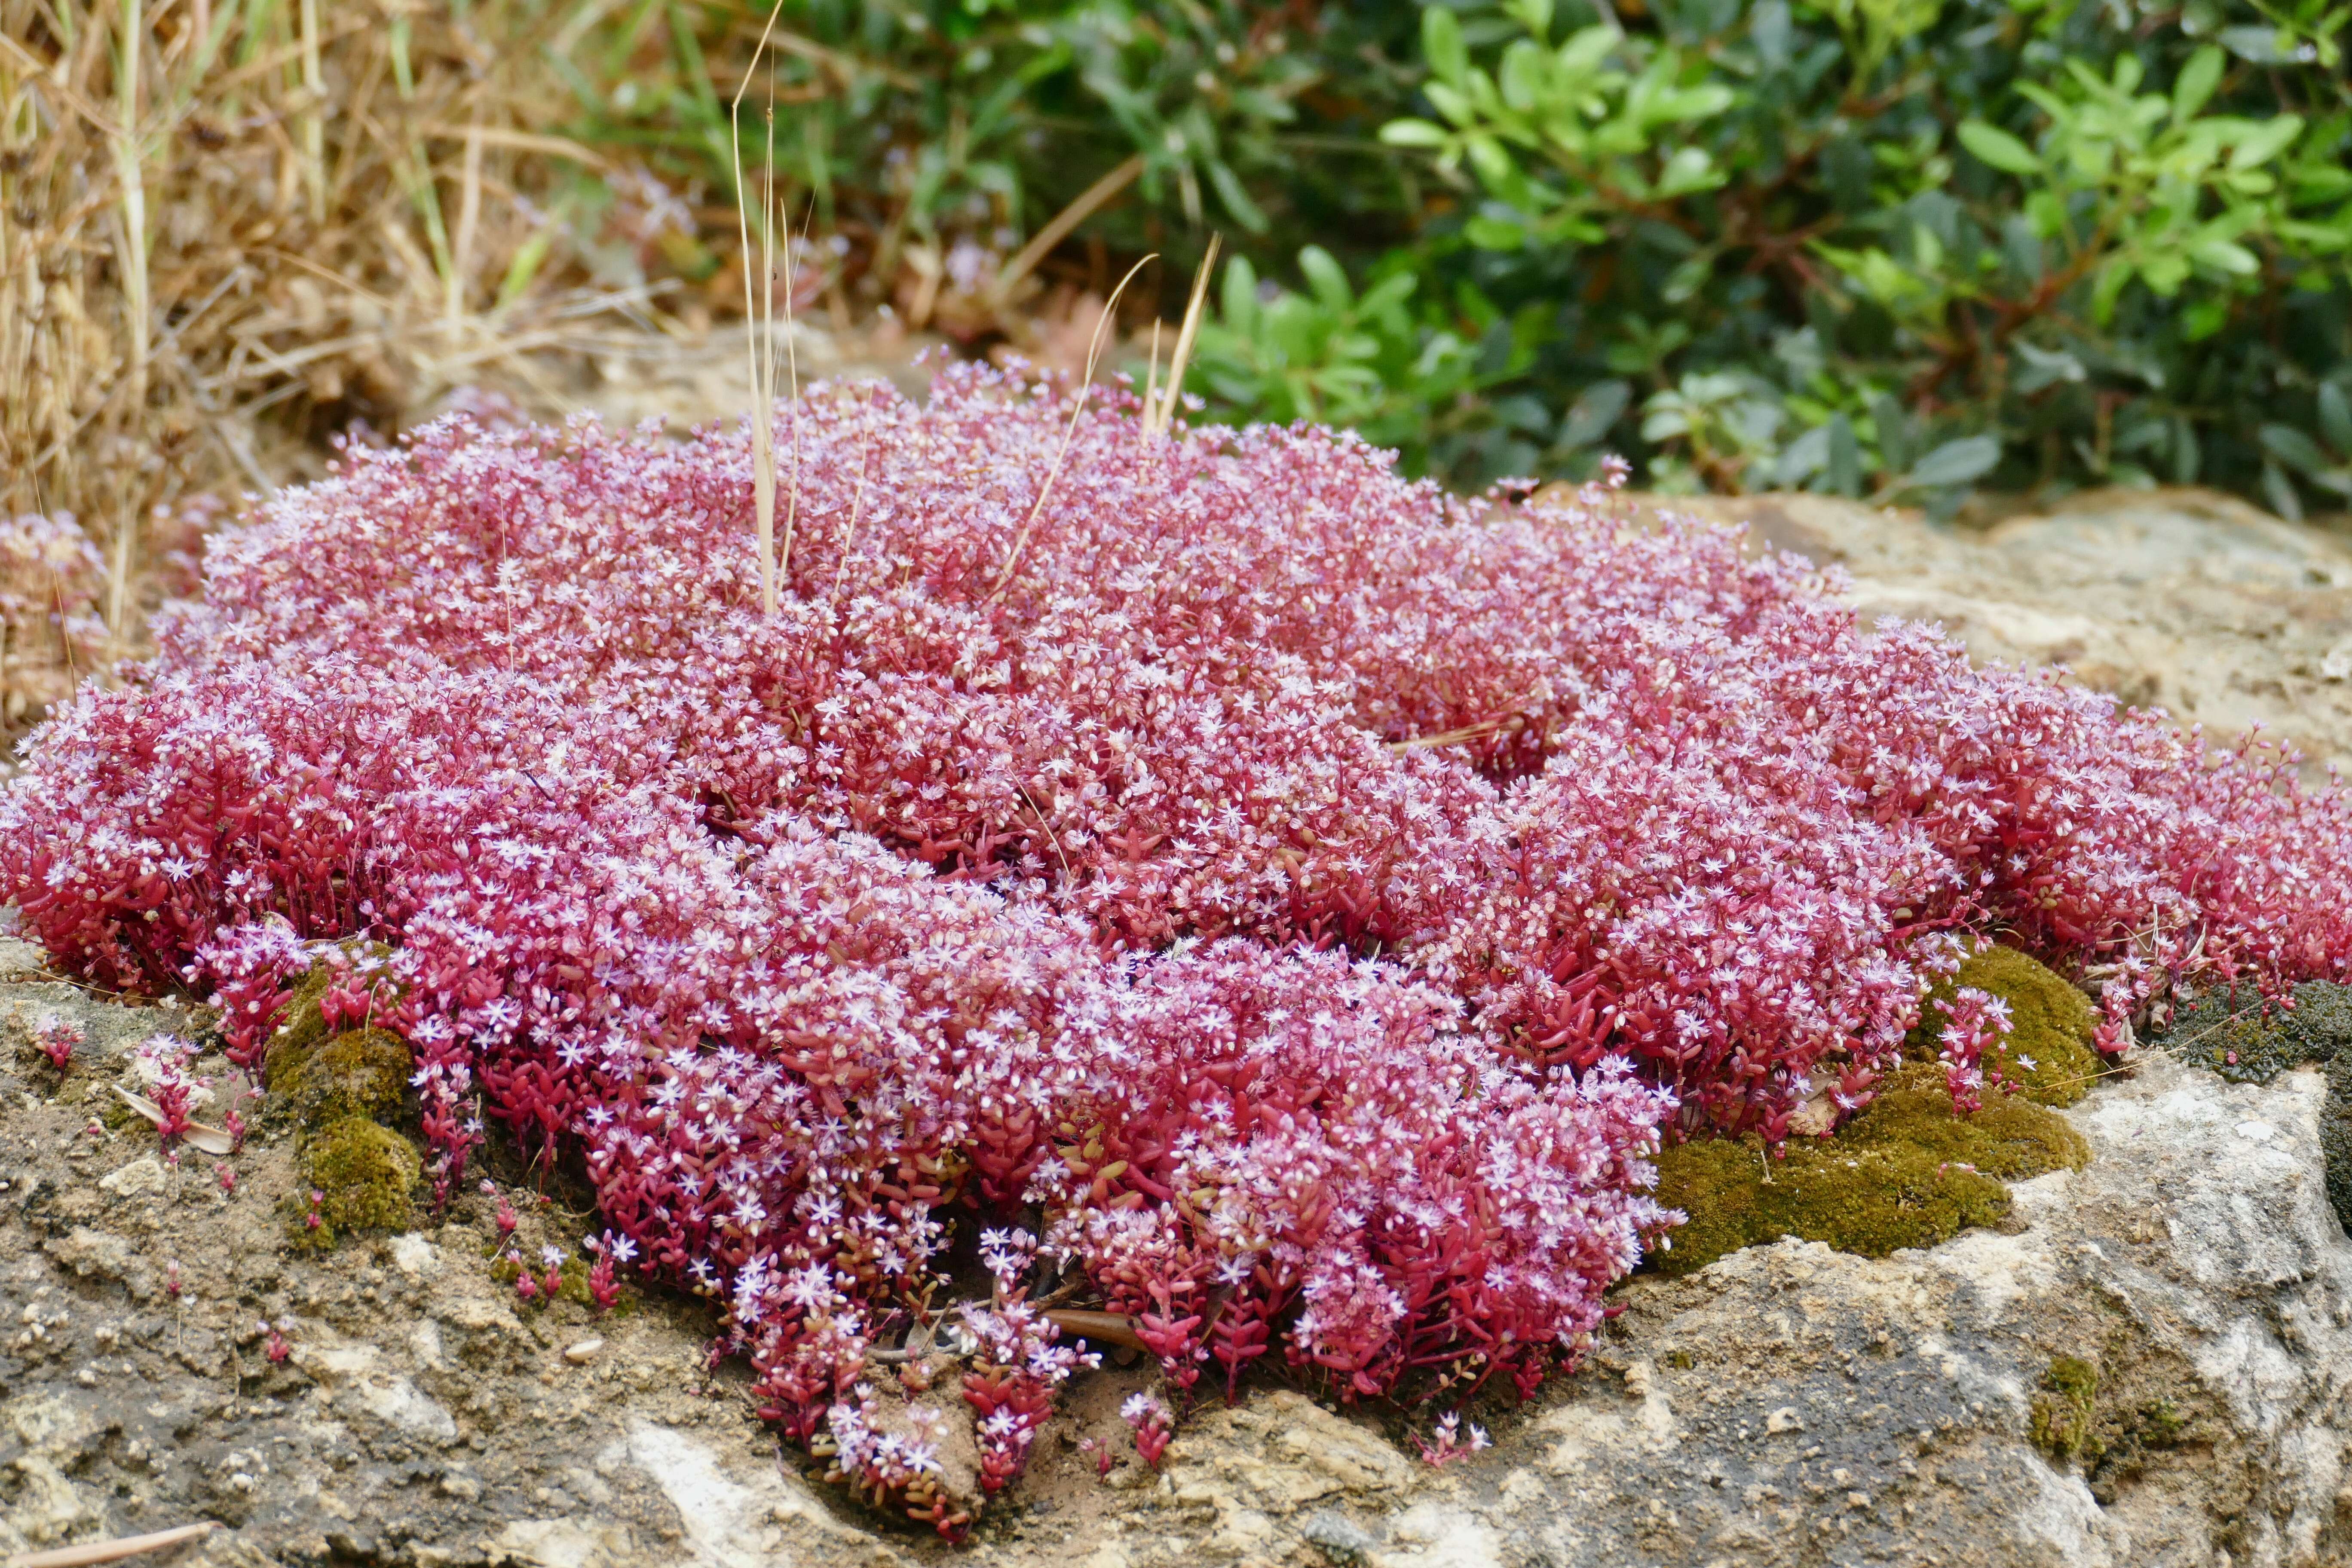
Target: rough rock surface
pixel 1790 1405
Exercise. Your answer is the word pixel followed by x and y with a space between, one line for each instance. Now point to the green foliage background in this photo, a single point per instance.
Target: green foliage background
pixel 1890 248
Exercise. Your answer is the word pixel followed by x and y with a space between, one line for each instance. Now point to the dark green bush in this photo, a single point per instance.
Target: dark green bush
pixel 1890 248
pixel 1895 248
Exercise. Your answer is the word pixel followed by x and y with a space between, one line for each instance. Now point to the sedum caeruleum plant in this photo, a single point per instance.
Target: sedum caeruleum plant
pixel 1242 897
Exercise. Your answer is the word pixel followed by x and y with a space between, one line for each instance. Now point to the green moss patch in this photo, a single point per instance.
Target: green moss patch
pixel 2063 1413
pixel 2237 1034
pixel 361 1072
pixel 346 1095
pixel 304 1028
pixel 1906 1172
pixel 2010 1139
pixel 2048 1055
pixel 366 1174
pixel 2111 1409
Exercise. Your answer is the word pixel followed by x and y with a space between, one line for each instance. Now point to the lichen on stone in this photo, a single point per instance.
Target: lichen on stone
pixel 2245 1039
pixel 2048 1053
pixel 1908 1172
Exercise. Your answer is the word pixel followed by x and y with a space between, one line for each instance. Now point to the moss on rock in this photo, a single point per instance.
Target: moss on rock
pixel 2048 1055
pixel 1906 1172
pixel 346 1094
pixel 2010 1139
pixel 2109 1408
pixel 2063 1423
pixel 365 1174
pixel 2246 1039
pixel 361 1072
pixel 303 1028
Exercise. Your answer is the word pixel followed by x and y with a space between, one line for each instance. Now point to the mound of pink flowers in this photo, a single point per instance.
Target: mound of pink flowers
pixel 1280 900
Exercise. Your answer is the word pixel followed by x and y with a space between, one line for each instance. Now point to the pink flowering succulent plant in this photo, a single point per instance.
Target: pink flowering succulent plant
pixel 1298 899
pixel 58 1039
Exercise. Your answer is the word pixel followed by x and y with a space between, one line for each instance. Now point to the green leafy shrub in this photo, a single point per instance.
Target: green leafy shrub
pixel 930 137
pixel 1895 249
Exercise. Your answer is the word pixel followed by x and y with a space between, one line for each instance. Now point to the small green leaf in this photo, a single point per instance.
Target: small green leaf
pixel 1492 160
pixel 2222 256
pixel 1441 45
pixel 2292 447
pixel 1413 133
pixel 1596 409
pixel 1241 295
pixel 2044 368
pixel 1324 277
pixel 2336 416
pixel 2260 46
pixel 1844 473
pixel 1801 458
pixel 2268 140
pixel 2281 492
pixel 1582 53
pixel 1997 148
pixel 1246 212
pixel 2196 82
pixel 2203 319
pixel 2108 288
pixel 1894 428
pixel 1524 75
pixel 1956 462
pixel 2188 452
pixel 1690 168
pixel 1490 233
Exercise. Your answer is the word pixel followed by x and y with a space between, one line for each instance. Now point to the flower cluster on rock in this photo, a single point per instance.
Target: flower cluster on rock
pixel 1299 899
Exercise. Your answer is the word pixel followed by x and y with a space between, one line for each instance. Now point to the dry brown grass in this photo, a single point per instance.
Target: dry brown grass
pixel 258 223
pixel 231 230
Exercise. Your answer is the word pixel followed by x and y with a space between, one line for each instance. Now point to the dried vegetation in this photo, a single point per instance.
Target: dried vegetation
pixel 232 228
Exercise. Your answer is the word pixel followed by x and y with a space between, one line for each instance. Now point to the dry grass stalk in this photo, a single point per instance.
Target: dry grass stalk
pixel 1085 387
pixel 89 1553
pixel 1063 224
pixel 1151 390
pixel 221 238
pixel 759 317
pixel 1159 419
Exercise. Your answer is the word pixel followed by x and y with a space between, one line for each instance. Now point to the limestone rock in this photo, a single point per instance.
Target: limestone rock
pixel 2152 1364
